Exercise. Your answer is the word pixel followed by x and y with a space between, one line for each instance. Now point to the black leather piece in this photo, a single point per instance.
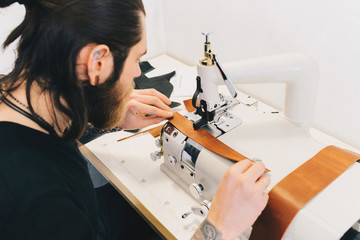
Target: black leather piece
pixel 146 67
pixel 160 83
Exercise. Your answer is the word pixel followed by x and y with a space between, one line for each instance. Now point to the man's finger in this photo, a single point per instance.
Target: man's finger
pixel 255 171
pixel 154 111
pixel 153 92
pixel 263 182
pixel 242 166
pixel 152 100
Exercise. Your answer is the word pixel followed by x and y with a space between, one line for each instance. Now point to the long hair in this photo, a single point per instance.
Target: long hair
pixel 51 36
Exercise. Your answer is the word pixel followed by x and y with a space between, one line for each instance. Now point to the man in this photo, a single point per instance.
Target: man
pixel 76 63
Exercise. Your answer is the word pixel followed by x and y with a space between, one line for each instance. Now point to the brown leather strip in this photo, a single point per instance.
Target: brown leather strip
pixel 298 188
pixel 153 131
pixel 188 105
pixel 204 138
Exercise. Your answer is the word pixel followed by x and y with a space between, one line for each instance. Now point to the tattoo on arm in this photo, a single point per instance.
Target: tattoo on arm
pixel 207 231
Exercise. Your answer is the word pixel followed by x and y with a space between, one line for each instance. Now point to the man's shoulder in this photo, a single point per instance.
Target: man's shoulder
pixel 40 198
pixel 32 163
pixel 40 213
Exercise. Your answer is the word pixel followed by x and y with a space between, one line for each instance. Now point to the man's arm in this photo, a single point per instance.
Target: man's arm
pixel 238 202
pixel 207 231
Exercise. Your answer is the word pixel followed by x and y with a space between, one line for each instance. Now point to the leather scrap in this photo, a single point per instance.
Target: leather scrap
pixel 155 132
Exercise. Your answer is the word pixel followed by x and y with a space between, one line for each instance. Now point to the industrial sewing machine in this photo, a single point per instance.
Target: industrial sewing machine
pixel 282 142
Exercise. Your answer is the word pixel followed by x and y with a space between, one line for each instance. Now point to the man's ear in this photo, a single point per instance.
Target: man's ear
pixel 99 64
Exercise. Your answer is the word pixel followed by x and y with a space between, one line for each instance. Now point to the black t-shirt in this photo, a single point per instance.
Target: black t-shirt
pixel 45 188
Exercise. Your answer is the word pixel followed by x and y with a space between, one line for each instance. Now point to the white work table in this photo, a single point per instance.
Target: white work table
pixel 128 167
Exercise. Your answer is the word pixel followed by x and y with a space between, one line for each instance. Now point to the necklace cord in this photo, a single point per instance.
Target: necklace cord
pixel 34 117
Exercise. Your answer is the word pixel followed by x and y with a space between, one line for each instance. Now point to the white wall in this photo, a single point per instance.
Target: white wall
pixel 155 28
pixel 328 30
pixel 10 18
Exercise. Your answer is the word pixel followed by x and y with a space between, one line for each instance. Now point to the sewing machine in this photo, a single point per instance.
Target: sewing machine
pixel 282 142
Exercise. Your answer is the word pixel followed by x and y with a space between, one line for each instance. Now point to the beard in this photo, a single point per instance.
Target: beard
pixel 107 104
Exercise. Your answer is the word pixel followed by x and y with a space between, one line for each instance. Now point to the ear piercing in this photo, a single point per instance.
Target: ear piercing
pixel 97 79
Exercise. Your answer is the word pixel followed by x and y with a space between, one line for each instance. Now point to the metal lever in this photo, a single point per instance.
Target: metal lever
pixel 227 81
pixel 187 214
pixel 201 210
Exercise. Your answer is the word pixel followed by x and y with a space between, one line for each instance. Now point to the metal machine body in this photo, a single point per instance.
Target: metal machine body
pixel 183 158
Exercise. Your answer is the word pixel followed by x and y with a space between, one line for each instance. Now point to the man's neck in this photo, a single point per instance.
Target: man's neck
pixel 41 104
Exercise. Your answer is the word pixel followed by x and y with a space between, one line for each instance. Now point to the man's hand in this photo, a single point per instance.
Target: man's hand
pixel 240 198
pixel 146 107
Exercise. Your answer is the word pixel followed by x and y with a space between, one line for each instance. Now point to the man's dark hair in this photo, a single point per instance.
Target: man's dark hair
pixel 50 38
